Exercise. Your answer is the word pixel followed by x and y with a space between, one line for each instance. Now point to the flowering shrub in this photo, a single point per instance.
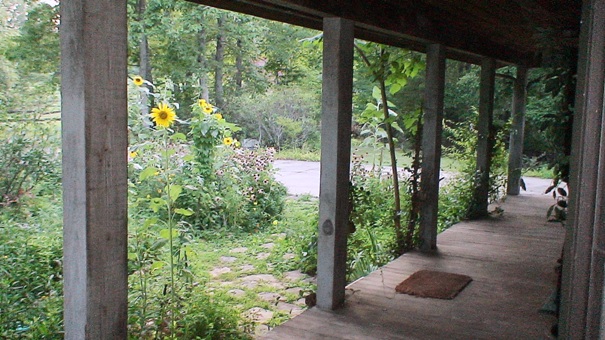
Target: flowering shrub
pixel 251 196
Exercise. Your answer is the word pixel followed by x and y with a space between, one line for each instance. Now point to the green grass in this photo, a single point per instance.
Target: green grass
pixel 299 155
pixel 377 157
pixel 539 172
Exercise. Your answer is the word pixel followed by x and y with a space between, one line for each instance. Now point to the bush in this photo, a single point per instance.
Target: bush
pixel 31 301
pixel 28 156
pixel 285 117
pixel 456 198
pixel 372 242
pixel 250 197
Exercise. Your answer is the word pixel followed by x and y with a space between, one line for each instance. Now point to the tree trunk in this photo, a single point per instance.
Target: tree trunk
pixel 397 208
pixel 144 61
pixel 239 65
pixel 219 59
pixel 203 65
pixel 144 58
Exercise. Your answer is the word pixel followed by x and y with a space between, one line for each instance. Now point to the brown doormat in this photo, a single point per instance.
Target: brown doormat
pixel 433 284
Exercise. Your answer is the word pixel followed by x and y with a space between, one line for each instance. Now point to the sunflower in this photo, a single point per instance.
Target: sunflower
pixel 227 141
pixel 206 107
pixel 138 80
pixel 163 115
pixel 218 116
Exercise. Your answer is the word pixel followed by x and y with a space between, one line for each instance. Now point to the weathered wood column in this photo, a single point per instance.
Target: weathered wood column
pixel 515 149
pixel 431 145
pixel 485 138
pixel 582 287
pixel 94 132
pixel 337 98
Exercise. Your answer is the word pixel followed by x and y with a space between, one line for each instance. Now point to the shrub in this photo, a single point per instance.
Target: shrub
pixel 31 302
pixel 28 156
pixel 286 117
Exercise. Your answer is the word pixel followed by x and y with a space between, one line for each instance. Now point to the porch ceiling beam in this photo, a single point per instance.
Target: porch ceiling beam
pixel 334 205
pixel 94 133
pixel 584 256
pixel 431 145
pixel 407 24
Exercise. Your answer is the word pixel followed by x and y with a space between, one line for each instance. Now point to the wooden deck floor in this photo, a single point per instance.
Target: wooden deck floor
pixel 511 260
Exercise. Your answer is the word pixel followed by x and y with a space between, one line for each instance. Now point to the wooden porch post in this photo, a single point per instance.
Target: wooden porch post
pixel 515 153
pixel 431 145
pixel 94 132
pixel 335 162
pixel 582 285
pixel 485 138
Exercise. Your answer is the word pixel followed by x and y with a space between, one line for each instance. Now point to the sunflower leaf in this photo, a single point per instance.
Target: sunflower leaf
pixel 165 233
pixel 175 192
pixel 184 212
pixel 148 172
pixel 179 136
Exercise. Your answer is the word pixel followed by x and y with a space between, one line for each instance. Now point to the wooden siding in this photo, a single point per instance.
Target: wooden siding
pixel 511 260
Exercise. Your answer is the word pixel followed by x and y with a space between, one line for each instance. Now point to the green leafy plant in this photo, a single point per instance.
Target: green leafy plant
pixel 392 72
pixel 28 157
pixel 31 301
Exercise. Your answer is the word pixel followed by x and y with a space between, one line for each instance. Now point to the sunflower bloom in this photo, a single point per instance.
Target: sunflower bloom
pixel 163 115
pixel 227 141
pixel 207 108
pixel 138 80
pixel 218 116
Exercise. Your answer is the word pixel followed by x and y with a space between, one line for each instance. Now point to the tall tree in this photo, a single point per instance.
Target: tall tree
pixel 239 65
pixel 37 46
pixel 144 57
pixel 219 59
pixel 203 62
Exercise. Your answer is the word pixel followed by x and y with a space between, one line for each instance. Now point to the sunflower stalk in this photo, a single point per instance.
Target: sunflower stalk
pixel 169 205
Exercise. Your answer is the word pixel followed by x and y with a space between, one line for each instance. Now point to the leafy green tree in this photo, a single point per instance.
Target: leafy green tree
pixel 36 48
pixel 391 69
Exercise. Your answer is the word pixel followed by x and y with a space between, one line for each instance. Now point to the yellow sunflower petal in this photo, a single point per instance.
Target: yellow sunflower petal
pixel 163 115
pixel 138 80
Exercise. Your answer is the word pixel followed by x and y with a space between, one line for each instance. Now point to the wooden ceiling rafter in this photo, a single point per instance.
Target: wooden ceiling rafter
pixel 506 30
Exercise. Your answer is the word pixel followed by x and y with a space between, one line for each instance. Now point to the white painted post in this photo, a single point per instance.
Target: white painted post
pixel 335 162
pixel 517 131
pixel 94 132
pixel 431 145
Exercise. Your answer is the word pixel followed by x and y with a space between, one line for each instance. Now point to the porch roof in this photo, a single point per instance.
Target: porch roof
pixel 522 32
